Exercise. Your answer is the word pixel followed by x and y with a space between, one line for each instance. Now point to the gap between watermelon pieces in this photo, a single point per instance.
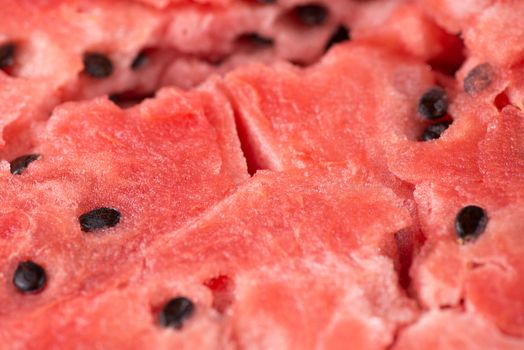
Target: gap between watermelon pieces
pixel 51 39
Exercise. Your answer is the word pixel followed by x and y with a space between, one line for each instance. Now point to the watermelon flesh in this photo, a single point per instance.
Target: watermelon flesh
pixel 451 329
pixel 345 235
pixel 170 47
pixel 270 261
pixel 93 152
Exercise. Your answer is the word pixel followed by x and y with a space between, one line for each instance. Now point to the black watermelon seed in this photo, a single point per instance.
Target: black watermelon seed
pixel 97 65
pixel 19 164
pixel 311 14
pixel 256 40
pixel 478 79
pixel 98 219
pixel 433 104
pixel 29 277
pixel 340 35
pixel 470 222
pixel 139 61
pixel 7 55
pixel 434 131
pixel 175 312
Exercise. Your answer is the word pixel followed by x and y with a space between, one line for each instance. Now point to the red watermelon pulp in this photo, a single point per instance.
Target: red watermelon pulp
pixel 261 174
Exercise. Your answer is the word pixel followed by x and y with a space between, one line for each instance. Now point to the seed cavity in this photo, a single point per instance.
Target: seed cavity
pixel 140 60
pixel 18 165
pixel 470 222
pixel 433 104
pixel 29 277
pixel 98 219
pixel 478 79
pixel 340 35
pixel 7 55
pixel 175 312
pixel 97 65
pixel 256 40
pixel 311 15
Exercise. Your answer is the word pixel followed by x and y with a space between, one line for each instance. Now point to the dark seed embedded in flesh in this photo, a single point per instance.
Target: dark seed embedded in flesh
pixel 311 14
pixel 139 61
pixel 340 35
pixel 256 40
pixel 29 277
pixel 478 79
pixel 19 164
pixel 434 131
pixel 433 104
pixel 98 219
pixel 175 312
pixel 470 222
pixel 97 65
pixel 7 55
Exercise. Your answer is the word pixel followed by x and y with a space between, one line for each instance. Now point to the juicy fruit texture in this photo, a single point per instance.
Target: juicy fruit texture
pixel 265 262
pixel 279 108
pixel 102 175
pixel 385 207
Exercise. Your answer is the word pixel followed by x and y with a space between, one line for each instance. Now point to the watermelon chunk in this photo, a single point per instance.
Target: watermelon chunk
pixel 385 205
pixel 170 158
pixel 349 288
pixel 257 257
pixel 494 41
pixel 322 208
pixel 23 103
pixel 346 303
pixel 451 329
pixel 454 15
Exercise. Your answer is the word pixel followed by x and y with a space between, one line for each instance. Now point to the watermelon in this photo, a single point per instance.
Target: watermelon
pixel 245 174
pixel 88 156
pixel 255 263
pixel 452 329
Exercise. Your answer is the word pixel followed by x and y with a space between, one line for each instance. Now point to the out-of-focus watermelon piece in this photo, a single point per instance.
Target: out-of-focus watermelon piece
pixel 485 274
pixel 298 212
pixel 160 165
pixel 23 103
pixel 451 329
pixel 319 238
pixel 446 272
